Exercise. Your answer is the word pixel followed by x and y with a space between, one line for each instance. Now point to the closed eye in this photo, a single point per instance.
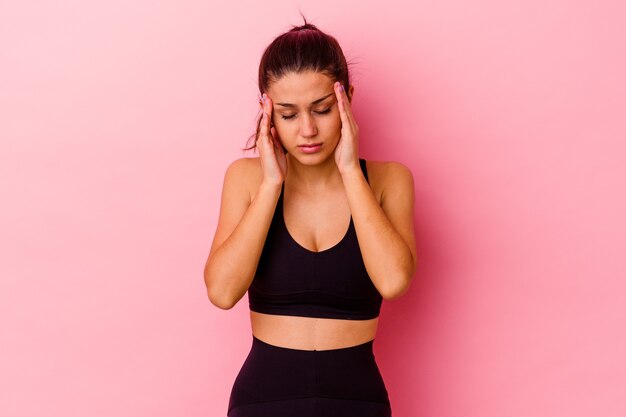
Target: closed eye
pixel 326 111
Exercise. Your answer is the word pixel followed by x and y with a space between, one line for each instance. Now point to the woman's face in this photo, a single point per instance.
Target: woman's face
pixel 305 112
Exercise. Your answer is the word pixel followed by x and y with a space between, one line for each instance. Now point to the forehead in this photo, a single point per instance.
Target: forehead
pixel 301 88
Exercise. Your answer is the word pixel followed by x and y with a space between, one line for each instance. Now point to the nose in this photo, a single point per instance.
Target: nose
pixel 307 126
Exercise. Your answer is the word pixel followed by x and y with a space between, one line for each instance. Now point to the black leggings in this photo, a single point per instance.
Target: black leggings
pixel 276 381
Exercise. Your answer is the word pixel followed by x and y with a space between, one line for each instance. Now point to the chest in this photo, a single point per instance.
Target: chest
pixel 317 225
pixel 286 267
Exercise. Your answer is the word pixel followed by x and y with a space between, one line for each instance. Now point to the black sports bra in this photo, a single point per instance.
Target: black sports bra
pixel 294 281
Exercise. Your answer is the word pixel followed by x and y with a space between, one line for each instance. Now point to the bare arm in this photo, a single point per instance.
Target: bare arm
pixel 244 218
pixel 240 235
pixel 386 234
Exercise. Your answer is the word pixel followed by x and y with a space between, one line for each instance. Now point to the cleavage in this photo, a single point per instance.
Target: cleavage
pixel 317 225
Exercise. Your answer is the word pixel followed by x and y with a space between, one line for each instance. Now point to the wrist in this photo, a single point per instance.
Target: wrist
pixel 353 171
pixel 270 185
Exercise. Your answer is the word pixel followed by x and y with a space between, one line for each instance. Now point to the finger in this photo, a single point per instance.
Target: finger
pixel 341 99
pixel 264 125
pixel 263 101
pixel 345 103
pixel 268 105
pixel 344 112
pixel 274 135
pixel 278 141
pixel 266 147
pixel 260 126
pixel 267 108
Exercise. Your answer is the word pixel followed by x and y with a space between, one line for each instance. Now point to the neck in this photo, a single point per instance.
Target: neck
pixel 312 178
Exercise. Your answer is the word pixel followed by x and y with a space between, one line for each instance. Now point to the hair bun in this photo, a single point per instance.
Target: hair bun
pixel 306 26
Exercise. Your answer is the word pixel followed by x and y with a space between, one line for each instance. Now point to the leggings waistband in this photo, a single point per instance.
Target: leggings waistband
pixel 366 347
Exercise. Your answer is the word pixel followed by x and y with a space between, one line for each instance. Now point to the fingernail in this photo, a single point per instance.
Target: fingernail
pixel 341 87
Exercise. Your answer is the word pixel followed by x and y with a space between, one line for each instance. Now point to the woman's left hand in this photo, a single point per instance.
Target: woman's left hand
pixel 347 150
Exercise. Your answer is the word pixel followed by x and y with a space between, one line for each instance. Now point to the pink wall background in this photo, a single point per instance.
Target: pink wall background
pixel 118 119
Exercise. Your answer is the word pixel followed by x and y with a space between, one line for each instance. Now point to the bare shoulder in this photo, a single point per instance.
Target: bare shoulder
pixel 387 175
pixel 384 169
pixel 236 197
pixel 245 173
pixel 245 165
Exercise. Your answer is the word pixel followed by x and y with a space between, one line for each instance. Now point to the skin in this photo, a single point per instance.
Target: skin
pixel 321 191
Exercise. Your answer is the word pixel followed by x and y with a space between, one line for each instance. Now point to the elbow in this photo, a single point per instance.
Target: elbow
pixel 395 294
pixel 220 302
pixel 399 280
pixel 217 296
pixel 400 286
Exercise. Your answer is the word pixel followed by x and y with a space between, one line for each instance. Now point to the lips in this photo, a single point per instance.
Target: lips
pixel 310 148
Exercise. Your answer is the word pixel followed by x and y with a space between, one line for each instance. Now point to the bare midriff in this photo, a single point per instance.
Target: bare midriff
pixel 311 333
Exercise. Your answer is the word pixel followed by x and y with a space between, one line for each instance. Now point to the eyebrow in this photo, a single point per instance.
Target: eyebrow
pixel 291 105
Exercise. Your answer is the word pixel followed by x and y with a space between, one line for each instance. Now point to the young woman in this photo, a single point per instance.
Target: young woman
pixel 316 236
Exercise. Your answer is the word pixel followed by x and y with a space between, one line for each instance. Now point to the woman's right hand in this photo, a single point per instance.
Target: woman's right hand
pixel 273 158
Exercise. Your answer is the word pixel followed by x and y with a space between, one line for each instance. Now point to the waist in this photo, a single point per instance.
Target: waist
pixel 311 333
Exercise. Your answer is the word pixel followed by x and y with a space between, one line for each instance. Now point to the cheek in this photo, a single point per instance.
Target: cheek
pixel 282 127
pixel 278 124
pixel 334 122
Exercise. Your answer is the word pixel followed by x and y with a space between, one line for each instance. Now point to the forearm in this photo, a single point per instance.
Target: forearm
pixel 386 255
pixel 230 269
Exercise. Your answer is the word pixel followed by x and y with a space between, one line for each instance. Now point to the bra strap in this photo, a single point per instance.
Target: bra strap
pixel 280 196
pixel 363 168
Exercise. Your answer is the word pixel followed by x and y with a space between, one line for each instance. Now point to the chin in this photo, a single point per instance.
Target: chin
pixel 312 159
